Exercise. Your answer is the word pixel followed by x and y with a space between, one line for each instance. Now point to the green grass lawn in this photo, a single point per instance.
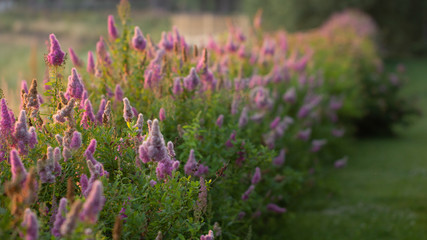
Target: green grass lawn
pixel 382 193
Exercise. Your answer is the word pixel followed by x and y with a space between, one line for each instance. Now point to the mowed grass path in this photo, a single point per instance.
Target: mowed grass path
pixel 382 193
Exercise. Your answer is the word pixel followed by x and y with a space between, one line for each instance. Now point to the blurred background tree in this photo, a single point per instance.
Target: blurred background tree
pixel 403 23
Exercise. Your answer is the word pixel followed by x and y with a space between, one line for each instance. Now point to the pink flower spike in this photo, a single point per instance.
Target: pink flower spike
pixel 279 160
pixel 138 41
pixel 153 183
pixel 31 225
pixel 94 203
pixel 220 120
pixel 191 165
pixel 90 63
pixel 56 55
pixel 119 93
pixel 60 217
pixel 274 208
pixel 112 30
pixel 74 58
pixel 6 121
pixel 275 123
pixel 17 168
pixel 341 163
pixel 76 141
pixel 256 178
pixel 75 86
pixel 162 114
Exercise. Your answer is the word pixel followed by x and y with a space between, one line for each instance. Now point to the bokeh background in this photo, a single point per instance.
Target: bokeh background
pixel 26 24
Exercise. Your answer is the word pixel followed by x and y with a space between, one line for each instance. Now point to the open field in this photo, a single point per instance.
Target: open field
pixel 23 36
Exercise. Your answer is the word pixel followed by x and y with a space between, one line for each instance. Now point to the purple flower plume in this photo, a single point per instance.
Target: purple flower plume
pixel 279 160
pixel 90 150
pixel 31 225
pixel 90 68
pixel 101 110
pixel 6 122
pixel 191 165
pixel 17 168
pixel 248 192
pixel 112 30
pixel 209 236
pixel 118 93
pixel 274 208
pixel 93 204
pixel 74 58
pixel 60 217
pixel 75 86
pixel 76 141
pixel 88 115
pixel 256 178
pixel 220 120
pixel 192 80
pixel 138 41
pixel 162 114
pixel 56 55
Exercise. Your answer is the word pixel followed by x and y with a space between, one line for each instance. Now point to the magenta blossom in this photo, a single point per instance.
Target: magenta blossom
pixel 60 217
pixel 76 141
pixel 74 58
pixel 256 178
pixel 118 93
pixel 88 116
pixel 177 86
pixel 220 120
pixel 6 121
pixel 90 68
pixel 209 236
pixel 56 55
pixel 75 86
pixel 279 160
pixel 192 80
pixel 101 110
pixel 17 168
pixel 316 145
pixel 341 163
pixel 112 30
pixel 165 42
pixel 162 114
pixel 304 134
pixel 31 225
pixel 94 203
pixel 248 192
pixel 138 41
pixel 191 165
pixel 290 95
pixel 275 123
pixel 274 208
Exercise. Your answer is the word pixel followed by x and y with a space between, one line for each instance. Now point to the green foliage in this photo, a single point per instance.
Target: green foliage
pixel 143 184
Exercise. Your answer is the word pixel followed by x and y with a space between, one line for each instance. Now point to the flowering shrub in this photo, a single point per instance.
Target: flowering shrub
pixel 166 140
pixel 352 68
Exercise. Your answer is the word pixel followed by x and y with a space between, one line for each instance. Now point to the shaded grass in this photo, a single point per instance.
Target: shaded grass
pixel 382 193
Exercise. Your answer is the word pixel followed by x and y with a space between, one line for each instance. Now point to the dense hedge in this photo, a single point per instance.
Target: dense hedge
pixel 242 125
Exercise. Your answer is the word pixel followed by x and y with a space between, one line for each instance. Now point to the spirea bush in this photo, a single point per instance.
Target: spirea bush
pixel 166 140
